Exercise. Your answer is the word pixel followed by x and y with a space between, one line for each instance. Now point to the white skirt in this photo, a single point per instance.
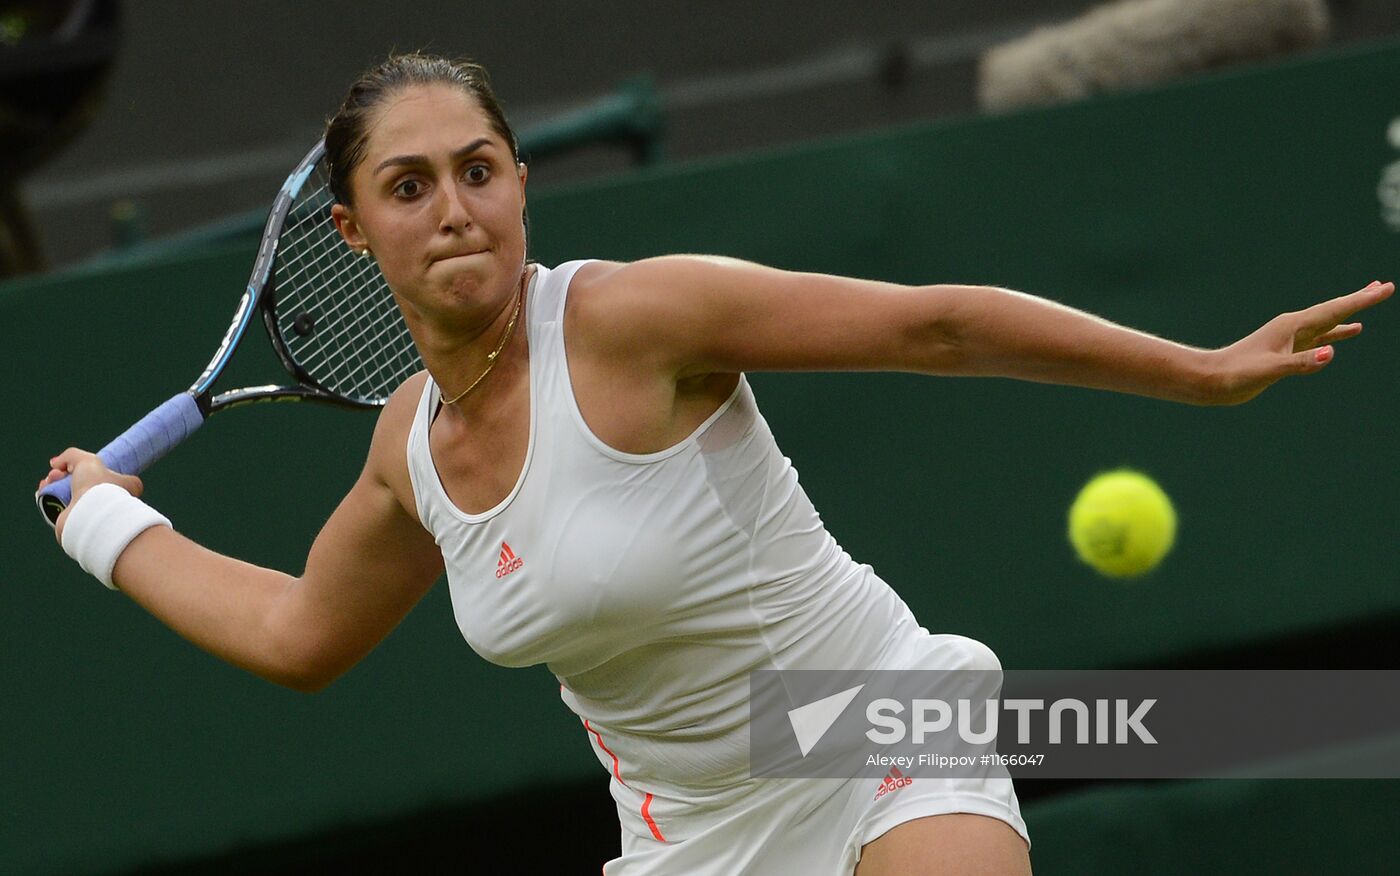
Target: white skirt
pixel 808 827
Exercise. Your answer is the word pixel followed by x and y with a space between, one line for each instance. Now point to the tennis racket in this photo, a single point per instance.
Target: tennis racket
pixel 331 318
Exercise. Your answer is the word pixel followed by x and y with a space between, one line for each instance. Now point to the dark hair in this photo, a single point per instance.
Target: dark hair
pixel 345 131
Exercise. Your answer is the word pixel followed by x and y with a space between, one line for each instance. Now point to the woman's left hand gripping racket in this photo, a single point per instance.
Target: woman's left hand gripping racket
pixel 328 311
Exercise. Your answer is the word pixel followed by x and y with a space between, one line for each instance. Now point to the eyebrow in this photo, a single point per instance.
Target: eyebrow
pixel 466 150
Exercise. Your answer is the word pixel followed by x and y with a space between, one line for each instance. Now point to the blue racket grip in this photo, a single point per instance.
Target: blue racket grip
pixel 134 450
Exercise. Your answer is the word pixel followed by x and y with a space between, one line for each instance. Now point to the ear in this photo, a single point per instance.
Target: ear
pixel 524 173
pixel 349 229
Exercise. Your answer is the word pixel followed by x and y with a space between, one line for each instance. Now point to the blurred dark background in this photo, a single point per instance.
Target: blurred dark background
pixel 207 104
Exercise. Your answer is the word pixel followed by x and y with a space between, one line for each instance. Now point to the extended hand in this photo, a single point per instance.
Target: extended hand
pixel 1290 343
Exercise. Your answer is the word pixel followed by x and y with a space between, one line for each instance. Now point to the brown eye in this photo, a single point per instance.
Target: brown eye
pixel 478 173
pixel 409 188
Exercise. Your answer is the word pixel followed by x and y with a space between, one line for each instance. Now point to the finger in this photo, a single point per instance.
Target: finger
pixel 1340 333
pixel 58 469
pixel 69 458
pixel 1312 360
pixel 1329 313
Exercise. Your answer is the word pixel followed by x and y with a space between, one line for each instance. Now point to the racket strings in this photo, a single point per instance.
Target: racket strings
pixel 351 344
pixel 345 319
pixel 334 312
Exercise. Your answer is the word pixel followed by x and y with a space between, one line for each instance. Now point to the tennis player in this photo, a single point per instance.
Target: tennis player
pixel 584 458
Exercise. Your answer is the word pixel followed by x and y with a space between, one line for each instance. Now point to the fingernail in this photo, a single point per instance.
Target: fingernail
pixel 1324 354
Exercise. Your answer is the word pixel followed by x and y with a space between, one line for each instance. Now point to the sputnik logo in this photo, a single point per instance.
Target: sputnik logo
pixel 810 722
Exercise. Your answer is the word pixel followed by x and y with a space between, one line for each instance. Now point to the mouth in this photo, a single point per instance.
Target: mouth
pixel 457 255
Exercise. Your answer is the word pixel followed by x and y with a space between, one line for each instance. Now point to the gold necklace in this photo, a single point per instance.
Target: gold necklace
pixel 491 358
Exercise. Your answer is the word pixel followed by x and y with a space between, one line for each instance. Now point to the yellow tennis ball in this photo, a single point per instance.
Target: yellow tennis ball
pixel 1122 523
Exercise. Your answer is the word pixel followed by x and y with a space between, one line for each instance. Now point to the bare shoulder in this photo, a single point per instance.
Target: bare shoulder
pixel 629 308
pixel 594 309
pixel 388 452
pixel 650 275
pixel 397 414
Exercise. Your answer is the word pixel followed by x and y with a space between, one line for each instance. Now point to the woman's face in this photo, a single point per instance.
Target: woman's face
pixel 439 201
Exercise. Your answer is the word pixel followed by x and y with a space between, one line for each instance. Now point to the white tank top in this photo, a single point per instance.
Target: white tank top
pixel 652 584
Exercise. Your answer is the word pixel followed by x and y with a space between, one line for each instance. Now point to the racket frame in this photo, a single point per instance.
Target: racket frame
pixel 174 420
pixel 260 296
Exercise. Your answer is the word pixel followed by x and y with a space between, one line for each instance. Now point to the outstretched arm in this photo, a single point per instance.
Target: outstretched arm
pixel 701 314
pixel 1001 333
pixel 368 567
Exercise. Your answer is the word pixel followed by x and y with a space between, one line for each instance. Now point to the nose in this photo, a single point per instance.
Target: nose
pixel 453 208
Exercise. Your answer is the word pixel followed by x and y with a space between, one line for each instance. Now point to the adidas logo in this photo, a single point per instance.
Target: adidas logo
pixel 894 780
pixel 508 562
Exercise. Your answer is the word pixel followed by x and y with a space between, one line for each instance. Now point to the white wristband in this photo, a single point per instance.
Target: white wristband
pixel 101 524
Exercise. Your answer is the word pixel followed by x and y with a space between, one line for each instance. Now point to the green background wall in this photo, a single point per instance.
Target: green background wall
pixel 1195 212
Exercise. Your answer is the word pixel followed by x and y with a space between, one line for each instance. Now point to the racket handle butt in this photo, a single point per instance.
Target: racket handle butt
pixel 134 450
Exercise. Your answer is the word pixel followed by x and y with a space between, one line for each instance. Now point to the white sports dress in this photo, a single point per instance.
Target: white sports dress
pixel 652 585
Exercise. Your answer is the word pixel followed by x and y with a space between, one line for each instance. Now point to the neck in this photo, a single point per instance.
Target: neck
pixel 459 356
